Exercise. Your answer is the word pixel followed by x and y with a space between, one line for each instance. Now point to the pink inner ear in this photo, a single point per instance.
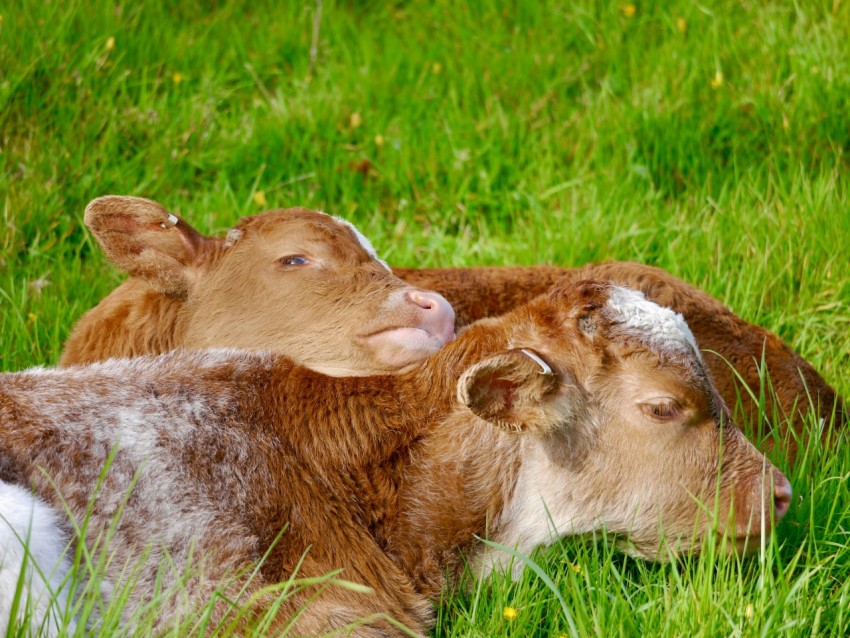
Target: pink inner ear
pixel 508 390
pixel 141 236
pixel 128 224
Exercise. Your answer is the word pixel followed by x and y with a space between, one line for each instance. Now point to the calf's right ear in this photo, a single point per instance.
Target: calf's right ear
pixel 515 390
pixel 143 239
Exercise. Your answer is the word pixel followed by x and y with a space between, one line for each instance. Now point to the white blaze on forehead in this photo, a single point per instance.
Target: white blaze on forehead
pixel 660 327
pixel 364 241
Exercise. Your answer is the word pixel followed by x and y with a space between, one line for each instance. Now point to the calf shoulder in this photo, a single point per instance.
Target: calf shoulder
pixel 132 320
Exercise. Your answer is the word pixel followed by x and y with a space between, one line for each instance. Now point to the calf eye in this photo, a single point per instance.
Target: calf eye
pixel 663 410
pixel 294 260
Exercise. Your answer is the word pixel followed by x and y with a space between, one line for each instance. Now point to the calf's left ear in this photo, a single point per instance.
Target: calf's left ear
pixel 513 390
pixel 143 239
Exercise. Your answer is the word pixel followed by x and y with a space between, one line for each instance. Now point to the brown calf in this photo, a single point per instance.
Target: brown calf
pixel 154 312
pixel 325 299
pixel 589 407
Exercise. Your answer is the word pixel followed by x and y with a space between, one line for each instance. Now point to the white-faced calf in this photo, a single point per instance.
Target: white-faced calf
pixel 587 408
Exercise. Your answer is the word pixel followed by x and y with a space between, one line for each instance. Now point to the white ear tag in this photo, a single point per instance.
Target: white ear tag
pixel 544 367
pixel 171 222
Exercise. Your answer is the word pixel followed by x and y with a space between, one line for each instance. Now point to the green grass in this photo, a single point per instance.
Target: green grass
pixel 711 140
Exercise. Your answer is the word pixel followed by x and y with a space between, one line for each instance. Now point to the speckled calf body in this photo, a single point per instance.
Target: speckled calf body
pixel 392 478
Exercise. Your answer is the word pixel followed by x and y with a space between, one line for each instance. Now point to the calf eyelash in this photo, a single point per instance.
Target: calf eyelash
pixel 663 411
pixel 294 260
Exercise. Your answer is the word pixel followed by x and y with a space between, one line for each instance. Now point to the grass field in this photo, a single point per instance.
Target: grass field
pixel 712 140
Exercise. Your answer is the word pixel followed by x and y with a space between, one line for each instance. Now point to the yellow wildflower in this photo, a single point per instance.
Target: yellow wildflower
pixel 717 81
pixel 436 68
pixel 748 612
pixel 681 25
pixel 356 120
pixel 629 10
pixel 177 77
pixel 260 199
pixel 576 568
pixel 110 43
pixel 509 613
pixel 32 318
pixel 379 140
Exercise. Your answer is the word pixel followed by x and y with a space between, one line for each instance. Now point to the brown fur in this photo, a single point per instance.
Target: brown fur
pixel 391 478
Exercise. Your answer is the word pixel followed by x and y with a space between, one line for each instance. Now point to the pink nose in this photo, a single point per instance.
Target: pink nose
pixel 438 316
pixel 781 495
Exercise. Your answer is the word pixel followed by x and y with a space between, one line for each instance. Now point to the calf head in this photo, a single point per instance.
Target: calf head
pixel 618 426
pixel 294 281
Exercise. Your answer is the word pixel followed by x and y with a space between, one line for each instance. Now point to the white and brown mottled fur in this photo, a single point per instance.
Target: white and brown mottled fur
pixel 392 478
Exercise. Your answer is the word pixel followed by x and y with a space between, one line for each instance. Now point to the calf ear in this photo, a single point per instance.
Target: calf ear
pixel 512 390
pixel 145 240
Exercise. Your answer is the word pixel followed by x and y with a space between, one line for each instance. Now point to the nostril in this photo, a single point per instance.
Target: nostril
pixel 781 497
pixel 421 299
